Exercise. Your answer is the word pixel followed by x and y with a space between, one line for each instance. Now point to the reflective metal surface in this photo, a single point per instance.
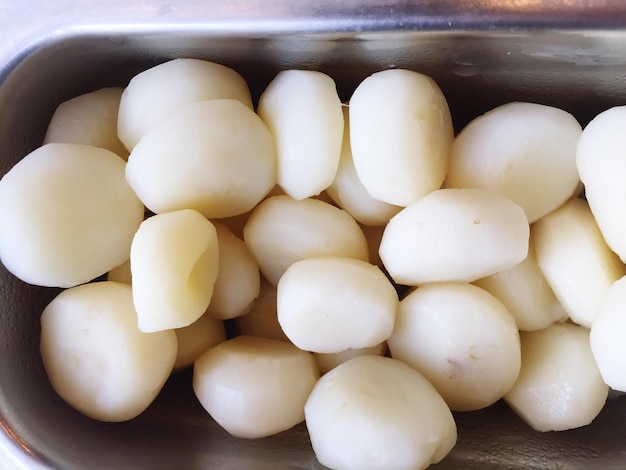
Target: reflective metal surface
pixel 483 53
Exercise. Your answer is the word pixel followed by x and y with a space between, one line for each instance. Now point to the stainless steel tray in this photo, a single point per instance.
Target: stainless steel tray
pixel 565 53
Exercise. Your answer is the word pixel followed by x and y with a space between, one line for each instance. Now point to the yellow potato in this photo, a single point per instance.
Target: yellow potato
pixel 281 231
pixel 379 413
pixel 254 387
pixel 462 339
pixel 575 259
pixel 89 119
pixel 95 356
pixel 524 151
pixel 303 112
pixel 67 215
pixel 154 94
pixel 216 157
pixel 174 261
pixel 401 133
pixel 454 235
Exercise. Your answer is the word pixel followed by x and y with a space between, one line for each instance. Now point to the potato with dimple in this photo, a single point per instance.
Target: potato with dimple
pixel 281 231
pixel 216 157
pixel 401 133
pixel 375 412
pixel 526 294
pixel 174 261
pixel 454 235
pixel 157 92
pixel 329 304
pixel 462 339
pixel 602 167
pixel 89 119
pixel 67 215
pixel 254 387
pixel 95 356
pixel 348 192
pixel 575 259
pixel 524 151
pixel 607 336
pixel 238 279
pixel 559 386
pixel 303 111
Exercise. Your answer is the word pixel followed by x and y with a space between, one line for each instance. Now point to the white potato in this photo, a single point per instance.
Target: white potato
pixel 254 387
pixel 559 386
pixel 154 94
pixel 462 339
pixel 281 231
pixel 328 361
pixel 329 304
pixel 174 261
pixel 95 356
pixel 216 157
pixel 238 279
pixel 524 151
pixel 575 259
pixel 401 133
pixel 195 339
pixel 262 319
pixel 303 111
pixel 67 215
pixel 607 336
pixel 375 412
pixel 526 294
pixel 454 235
pixel 89 119
pixel 348 192
pixel 602 167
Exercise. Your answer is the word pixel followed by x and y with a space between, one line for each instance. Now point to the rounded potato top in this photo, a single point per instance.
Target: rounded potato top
pixel 401 133
pixel 67 215
pixel 524 151
pixel 454 235
pixel 154 94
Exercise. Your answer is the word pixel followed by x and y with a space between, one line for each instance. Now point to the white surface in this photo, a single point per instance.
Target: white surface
pixel 12 458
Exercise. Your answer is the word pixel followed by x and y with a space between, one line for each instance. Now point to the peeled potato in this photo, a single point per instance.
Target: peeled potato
pixel 575 259
pixel 154 94
pixel 195 339
pixel 238 279
pixel 329 304
pixel 377 413
pixel 262 319
pixel 254 387
pixel 67 215
pixel 174 261
pixel 89 119
pixel 121 273
pixel 524 151
pixel 559 386
pixel 216 157
pixel 281 231
pixel 97 359
pixel 303 111
pixel 328 361
pixel 607 336
pixel 454 235
pixel 462 339
pixel 526 294
pixel 401 133
pixel 348 192
pixel 602 167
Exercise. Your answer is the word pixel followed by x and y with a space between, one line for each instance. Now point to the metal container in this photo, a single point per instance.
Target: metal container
pixel 566 53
